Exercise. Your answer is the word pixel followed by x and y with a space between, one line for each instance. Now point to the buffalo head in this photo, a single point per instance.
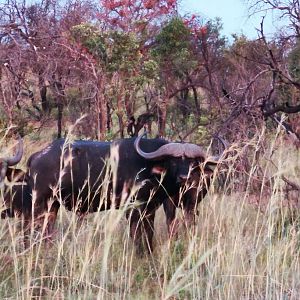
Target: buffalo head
pixel 17 196
pixel 184 159
pixel 7 162
pixel 191 170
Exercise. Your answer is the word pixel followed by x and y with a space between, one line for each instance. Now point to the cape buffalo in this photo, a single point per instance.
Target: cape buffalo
pixel 16 195
pixel 74 174
pixel 192 192
pixel 7 162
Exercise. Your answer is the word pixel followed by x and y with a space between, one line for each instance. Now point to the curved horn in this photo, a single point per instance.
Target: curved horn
pixel 171 149
pixel 215 159
pixel 11 161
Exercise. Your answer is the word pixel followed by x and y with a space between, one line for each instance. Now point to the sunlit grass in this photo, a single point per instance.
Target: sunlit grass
pixel 246 245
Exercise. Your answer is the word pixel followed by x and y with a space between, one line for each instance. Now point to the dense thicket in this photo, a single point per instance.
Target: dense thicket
pixel 128 64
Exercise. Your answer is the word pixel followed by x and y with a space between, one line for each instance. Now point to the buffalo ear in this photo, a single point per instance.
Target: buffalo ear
pixel 16 175
pixel 210 168
pixel 158 170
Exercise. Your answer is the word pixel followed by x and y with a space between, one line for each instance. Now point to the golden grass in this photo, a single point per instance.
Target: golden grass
pixel 237 251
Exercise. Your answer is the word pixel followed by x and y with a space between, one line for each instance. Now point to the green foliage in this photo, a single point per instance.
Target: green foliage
pixel 184 294
pixel 3 118
pixel 213 36
pixel 91 38
pixel 288 93
pixel 118 52
pixel 124 51
pixel 177 254
pixel 172 40
pixel 243 47
pixel 173 45
pixel 150 69
pixel 294 62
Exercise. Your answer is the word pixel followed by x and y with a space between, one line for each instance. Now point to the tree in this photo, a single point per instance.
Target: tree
pixel 134 24
pixel 34 35
pixel 173 53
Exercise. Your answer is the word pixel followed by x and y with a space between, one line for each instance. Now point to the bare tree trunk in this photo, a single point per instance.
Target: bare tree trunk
pixel 197 105
pixel 183 105
pixel 7 107
pixel 120 114
pixel 162 116
pixel 122 101
pixel 60 106
pixel 102 116
pixel 147 98
pixel 101 109
pixel 211 80
pixel 108 116
pixel 43 94
pixel 128 105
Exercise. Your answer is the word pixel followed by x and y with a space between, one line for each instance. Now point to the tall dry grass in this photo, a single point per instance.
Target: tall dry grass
pixel 246 245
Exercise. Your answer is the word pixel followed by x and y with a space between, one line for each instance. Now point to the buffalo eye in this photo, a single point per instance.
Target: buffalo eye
pixel 195 164
pixel 159 170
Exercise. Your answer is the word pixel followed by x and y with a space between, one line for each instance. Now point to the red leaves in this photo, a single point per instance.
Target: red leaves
pixel 163 6
pixel 196 27
pixel 164 10
pixel 122 12
pixel 203 30
pixel 171 3
pixel 111 4
pixel 129 13
pixel 149 4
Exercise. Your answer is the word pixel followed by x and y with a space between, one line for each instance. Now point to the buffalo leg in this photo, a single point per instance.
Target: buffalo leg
pixel 134 217
pixel 141 229
pixel 190 206
pixel 7 213
pixel 170 212
pixel 190 211
pixel 148 224
pixel 52 215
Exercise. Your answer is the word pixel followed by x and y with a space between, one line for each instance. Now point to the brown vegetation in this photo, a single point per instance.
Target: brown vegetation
pixel 109 70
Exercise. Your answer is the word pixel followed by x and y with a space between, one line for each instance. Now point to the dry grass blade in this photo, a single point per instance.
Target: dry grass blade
pixel 245 245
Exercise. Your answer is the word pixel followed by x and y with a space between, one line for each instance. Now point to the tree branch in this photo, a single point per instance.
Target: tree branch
pixel 283 108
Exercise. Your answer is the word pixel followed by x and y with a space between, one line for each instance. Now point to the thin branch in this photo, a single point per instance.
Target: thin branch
pixel 294 185
pixel 282 108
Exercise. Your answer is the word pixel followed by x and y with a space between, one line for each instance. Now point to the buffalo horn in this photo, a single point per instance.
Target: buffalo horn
pixel 11 161
pixel 215 159
pixel 171 149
